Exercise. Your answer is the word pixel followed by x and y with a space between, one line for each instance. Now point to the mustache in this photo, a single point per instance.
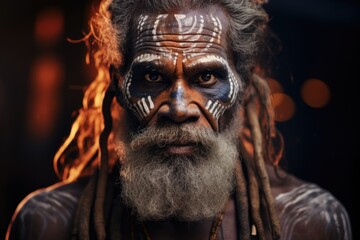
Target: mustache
pixel 160 137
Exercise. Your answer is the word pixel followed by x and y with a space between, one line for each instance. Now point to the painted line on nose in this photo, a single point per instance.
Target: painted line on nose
pixel 177 94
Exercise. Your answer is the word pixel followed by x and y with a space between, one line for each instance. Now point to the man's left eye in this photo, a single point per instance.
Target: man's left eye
pixel 206 79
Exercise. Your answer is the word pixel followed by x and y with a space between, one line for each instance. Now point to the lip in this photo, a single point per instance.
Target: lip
pixel 180 149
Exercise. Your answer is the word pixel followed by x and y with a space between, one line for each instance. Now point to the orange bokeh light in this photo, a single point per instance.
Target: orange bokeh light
pixel 47 76
pixel 315 93
pixel 275 86
pixel 47 73
pixel 49 26
pixel 284 107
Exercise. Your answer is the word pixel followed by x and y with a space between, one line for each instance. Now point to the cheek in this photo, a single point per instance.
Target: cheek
pixel 223 97
pixel 138 101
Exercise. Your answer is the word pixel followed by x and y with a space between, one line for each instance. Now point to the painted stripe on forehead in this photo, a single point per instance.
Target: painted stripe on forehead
pixel 156 23
pixel 141 23
pixel 183 20
pixel 147 57
pixel 202 21
pixel 178 18
pixel 220 29
pixel 194 23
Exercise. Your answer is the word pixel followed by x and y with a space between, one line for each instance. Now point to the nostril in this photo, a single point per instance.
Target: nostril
pixel 166 119
pixel 191 120
pixel 178 113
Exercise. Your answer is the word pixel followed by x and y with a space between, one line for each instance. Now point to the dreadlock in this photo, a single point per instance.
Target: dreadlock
pixel 91 136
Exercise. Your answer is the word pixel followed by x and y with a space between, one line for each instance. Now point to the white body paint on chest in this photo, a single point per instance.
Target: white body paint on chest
pixel 309 206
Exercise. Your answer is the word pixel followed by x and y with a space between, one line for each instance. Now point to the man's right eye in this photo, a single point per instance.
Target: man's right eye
pixel 153 76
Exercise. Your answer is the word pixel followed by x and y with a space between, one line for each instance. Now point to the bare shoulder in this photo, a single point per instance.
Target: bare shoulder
pixel 47 213
pixel 306 211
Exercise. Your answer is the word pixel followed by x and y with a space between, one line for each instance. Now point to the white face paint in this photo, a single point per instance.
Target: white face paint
pixel 217 108
pixel 143 106
pixel 181 47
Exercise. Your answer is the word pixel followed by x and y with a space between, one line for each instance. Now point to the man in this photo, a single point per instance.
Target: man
pixel 192 131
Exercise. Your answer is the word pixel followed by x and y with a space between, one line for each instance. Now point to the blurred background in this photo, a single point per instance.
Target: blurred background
pixel 314 83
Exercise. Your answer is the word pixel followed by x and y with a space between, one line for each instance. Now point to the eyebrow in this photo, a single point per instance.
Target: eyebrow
pixel 147 57
pixel 207 59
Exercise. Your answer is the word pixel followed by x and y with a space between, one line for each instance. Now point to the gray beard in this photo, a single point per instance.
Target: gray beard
pixel 157 186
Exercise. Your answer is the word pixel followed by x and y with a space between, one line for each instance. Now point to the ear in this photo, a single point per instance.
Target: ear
pixel 116 81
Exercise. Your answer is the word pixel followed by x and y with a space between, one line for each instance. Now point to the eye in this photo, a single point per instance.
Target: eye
pixel 153 76
pixel 206 79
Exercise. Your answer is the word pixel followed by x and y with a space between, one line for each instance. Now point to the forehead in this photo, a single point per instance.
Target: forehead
pixel 185 32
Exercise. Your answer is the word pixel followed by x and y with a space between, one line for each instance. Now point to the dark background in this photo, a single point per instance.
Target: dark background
pixel 320 39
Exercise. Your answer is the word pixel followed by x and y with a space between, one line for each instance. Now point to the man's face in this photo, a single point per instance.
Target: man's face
pixel 181 69
pixel 180 80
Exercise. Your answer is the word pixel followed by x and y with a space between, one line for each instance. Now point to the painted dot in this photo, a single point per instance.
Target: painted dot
pixel 49 26
pixel 315 93
pixel 284 107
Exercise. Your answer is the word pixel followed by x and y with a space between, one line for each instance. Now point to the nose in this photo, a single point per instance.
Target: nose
pixel 180 108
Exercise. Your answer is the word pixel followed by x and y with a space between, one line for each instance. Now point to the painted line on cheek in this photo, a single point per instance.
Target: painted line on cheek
pixel 216 111
pixel 126 87
pixel 213 107
pixel 150 102
pixel 208 104
pixel 231 81
pixel 141 108
pixel 236 90
pixel 137 112
pixel 221 112
pixel 145 106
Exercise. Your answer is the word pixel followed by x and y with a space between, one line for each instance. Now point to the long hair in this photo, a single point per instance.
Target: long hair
pixel 88 146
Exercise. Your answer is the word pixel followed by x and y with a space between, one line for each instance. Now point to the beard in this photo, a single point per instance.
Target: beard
pixel 157 184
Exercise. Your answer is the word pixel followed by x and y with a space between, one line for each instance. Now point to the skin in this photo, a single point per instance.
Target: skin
pixel 182 69
pixel 182 58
